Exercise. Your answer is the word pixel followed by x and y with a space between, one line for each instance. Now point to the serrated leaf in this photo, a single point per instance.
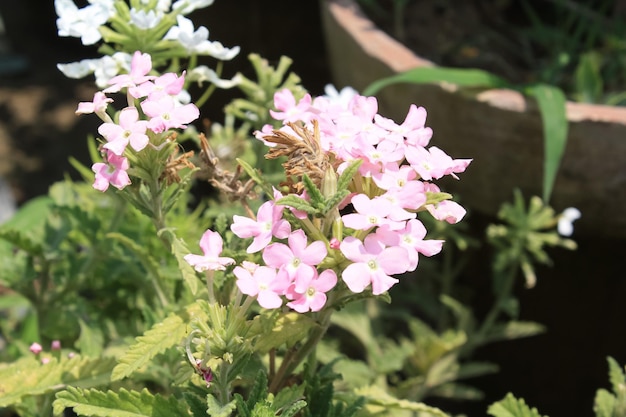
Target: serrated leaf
pixel 118 404
pixel 604 403
pixel 29 376
pixel 288 395
pixel 160 337
pixel 376 396
pixel 297 203
pixel 179 250
pixel 142 254
pixel 510 406
pixel 343 182
pixel 215 409
pixel 293 408
pixel 315 195
pixel 288 328
pixel 616 374
pixel 22 241
pixel 334 200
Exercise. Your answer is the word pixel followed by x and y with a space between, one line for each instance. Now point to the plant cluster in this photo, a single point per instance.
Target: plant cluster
pixel 281 310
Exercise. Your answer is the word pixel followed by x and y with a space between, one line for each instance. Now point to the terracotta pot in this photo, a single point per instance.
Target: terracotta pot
pixel 500 129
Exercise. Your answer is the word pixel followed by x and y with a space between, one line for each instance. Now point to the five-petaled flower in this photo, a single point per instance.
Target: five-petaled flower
pixel 211 244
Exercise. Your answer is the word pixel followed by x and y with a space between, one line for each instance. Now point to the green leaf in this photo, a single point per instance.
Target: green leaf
pixel 287 328
pixel 179 249
pixel 379 400
pixel 604 403
pixel 588 80
pixel 513 330
pixel 31 215
pixel 118 404
pixel 256 177
pixel 91 341
pixel 551 102
pixel 457 391
pixel 510 406
pixel 297 203
pixel 215 409
pixel 463 77
pixel 28 376
pixel 160 337
pixel 288 395
pixel 616 375
pixel 347 174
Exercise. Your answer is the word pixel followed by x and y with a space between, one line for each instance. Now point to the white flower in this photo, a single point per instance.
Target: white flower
pixel 565 226
pixel 193 41
pixel 103 68
pixel 218 51
pixel 82 23
pixel 188 6
pixel 145 19
pixel 203 73
pixel 342 97
pixel 161 5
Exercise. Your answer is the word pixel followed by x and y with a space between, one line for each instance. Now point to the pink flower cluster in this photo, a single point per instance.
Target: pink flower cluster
pixel 382 236
pixel 159 110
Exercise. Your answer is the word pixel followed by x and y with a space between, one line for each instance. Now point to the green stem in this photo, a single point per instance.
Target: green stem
pixel 158 219
pixel 508 279
pixel 293 358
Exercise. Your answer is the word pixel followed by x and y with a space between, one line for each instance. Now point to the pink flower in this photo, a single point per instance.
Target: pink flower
pixel 411 238
pixel 447 210
pixel 291 112
pixel 140 66
pixel 370 213
pixel 35 348
pixel 211 244
pixel 264 283
pixel 98 106
pixel 312 297
pixel 373 264
pixel 413 128
pixel 167 84
pixel 394 176
pixel 269 222
pixel 129 130
pixel 297 259
pixel 165 114
pixel 55 345
pixel 434 163
pixel 113 172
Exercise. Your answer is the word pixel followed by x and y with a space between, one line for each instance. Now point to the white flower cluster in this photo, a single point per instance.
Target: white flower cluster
pixel 91 22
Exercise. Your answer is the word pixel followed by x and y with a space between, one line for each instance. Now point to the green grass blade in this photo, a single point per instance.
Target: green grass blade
pixel 463 77
pixel 551 102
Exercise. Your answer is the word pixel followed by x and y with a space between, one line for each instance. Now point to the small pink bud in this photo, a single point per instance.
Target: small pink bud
pixel 71 355
pixel 55 345
pixel 36 348
pixel 45 360
pixel 334 243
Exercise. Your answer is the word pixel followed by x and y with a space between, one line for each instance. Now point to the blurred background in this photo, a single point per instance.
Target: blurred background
pixel 581 301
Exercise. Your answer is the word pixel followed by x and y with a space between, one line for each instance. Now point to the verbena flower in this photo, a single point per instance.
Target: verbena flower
pixel 211 244
pixel 373 263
